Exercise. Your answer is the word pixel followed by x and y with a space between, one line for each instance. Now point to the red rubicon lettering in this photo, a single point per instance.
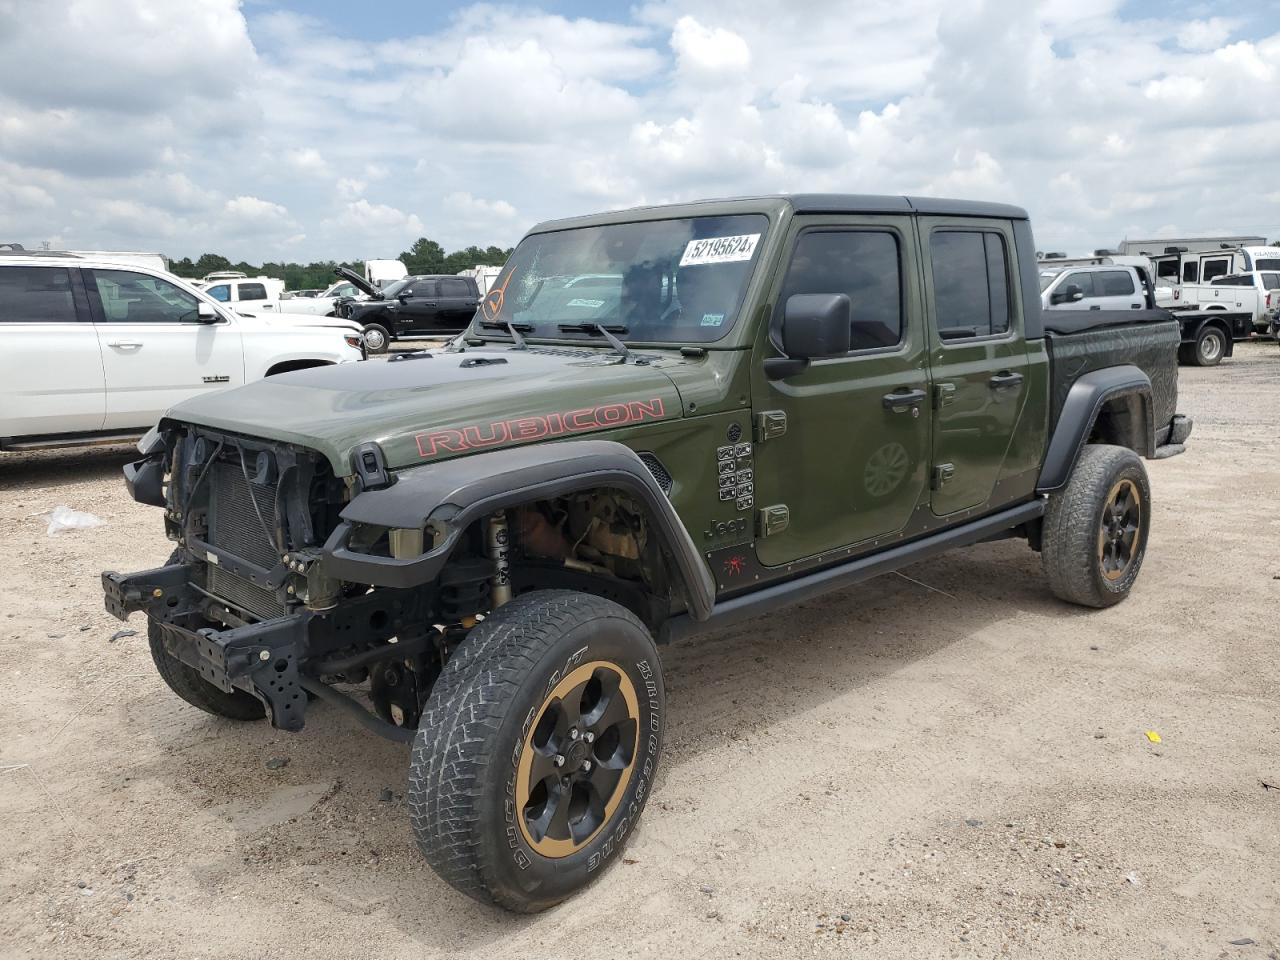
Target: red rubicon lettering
pixel 497 432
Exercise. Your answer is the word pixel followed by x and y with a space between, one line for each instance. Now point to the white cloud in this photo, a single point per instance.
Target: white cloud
pixel 195 125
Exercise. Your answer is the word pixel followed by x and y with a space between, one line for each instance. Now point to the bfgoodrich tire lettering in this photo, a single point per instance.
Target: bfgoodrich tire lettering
pixel 1095 529
pixel 466 805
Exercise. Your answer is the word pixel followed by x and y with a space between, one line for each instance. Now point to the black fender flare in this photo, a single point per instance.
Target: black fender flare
pixel 1085 400
pixel 449 496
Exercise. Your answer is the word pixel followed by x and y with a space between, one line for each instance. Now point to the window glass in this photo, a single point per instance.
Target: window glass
pixel 138 298
pixel 253 291
pixel 662 280
pixel 1116 283
pixel 454 288
pixel 1167 269
pixel 422 289
pixel 1270 281
pixel 1190 272
pixel 1214 268
pixel 1266 263
pixel 221 293
pixel 1082 280
pixel 970 283
pixel 863 265
pixel 36 295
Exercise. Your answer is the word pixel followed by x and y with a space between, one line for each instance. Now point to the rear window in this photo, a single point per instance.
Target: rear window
pixel 1266 263
pixel 1167 269
pixel 1270 281
pixel 253 291
pixel 970 283
pixel 36 295
pixel 1116 283
pixel 454 288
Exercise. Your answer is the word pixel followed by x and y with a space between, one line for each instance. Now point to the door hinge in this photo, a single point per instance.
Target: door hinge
pixel 942 473
pixel 770 424
pixel 773 519
pixel 943 394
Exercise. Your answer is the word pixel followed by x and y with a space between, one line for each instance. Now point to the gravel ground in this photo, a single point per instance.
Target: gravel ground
pixel 952 764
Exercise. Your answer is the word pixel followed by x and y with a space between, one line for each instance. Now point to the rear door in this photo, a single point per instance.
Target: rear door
pixel 846 454
pixel 458 303
pixel 977 357
pixel 51 377
pixel 154 351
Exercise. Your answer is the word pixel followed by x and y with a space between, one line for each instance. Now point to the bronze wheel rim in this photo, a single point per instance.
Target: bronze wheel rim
pixel 577 758
pixel 1120 527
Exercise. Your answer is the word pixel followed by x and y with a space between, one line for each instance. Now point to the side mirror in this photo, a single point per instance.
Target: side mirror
pixel 815 326
pixel 205 313
pixel 1071 293
pixel 403 297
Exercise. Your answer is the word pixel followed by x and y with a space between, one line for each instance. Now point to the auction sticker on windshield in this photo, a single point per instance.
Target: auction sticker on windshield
pixel 719 250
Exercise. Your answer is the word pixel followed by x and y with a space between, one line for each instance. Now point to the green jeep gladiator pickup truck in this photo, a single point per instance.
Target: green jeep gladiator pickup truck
pixel 661 421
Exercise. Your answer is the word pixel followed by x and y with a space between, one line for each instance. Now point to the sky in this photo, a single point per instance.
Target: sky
pixel 284 129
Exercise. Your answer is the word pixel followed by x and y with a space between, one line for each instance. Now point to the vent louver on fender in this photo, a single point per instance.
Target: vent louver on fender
pixel 660 473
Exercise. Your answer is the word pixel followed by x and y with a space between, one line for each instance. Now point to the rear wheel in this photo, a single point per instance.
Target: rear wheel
pixel 1095 529
pixel 537 749
pixel 376 338
pixel 1210 347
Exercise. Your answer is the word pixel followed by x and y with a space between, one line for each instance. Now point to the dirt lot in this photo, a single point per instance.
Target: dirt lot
pixel 898 770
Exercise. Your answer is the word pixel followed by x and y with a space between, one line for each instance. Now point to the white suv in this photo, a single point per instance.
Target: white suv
pixel 91 350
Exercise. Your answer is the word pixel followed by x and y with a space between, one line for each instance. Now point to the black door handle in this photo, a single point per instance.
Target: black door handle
pixel 902 399
pixel 1005 380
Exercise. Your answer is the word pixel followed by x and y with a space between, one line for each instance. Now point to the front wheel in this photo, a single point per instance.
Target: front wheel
pixel 1095 529
pixel 376 338
pixel 537 749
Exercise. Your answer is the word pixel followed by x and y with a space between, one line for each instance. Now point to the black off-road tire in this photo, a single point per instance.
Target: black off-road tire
pixel 1076 523
pixel 1210 347
pixel 381 337
pixel 187 683
pixel 483 720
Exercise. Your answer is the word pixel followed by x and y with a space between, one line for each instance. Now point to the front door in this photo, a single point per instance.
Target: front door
pixel 849 453
pixel 419 309
pixel 977 355
pixel 154 351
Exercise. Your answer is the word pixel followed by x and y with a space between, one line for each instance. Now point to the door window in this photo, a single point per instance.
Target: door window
pixel 454 288
pixel 865 265
pixel 1167 270
pixel 137 298
pixel 970 283
pixel 1190 272
pixel 221 293
pixel 36 295
pixel 1116 283
pixel 253 291
pixel 1082 280
pixel 423 289
pixel 1215 268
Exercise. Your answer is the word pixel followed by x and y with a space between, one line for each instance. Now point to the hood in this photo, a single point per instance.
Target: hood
pixel 360 282
pixel 440 405
pixel 295 321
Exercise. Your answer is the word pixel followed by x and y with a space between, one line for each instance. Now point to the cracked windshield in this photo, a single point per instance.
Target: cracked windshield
pixel 655 281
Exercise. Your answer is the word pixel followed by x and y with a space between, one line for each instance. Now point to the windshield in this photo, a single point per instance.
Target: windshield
pixel 1048 278
pixel 661 280
pixel 391 290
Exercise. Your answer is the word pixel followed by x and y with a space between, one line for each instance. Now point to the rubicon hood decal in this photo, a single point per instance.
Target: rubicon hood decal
pixel 523 429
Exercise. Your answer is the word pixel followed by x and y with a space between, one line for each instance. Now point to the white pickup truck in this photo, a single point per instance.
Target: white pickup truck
pixel 94 351
pixel 1254 293
pixel 1208 335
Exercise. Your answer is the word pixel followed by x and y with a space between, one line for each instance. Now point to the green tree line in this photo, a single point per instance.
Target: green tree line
pixel 424 256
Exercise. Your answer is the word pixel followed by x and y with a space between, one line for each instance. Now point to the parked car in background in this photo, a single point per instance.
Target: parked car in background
pixel 256 293
pixel 1206 335
pixel 414 307
pixel 1239 292
pixel 378 274
pixel 94 351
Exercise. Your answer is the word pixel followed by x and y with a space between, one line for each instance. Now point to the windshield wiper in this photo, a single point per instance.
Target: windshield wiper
pixel 512 328
pixel 619 347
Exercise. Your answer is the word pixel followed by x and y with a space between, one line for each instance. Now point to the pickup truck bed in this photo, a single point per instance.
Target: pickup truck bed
pixel 1080 341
